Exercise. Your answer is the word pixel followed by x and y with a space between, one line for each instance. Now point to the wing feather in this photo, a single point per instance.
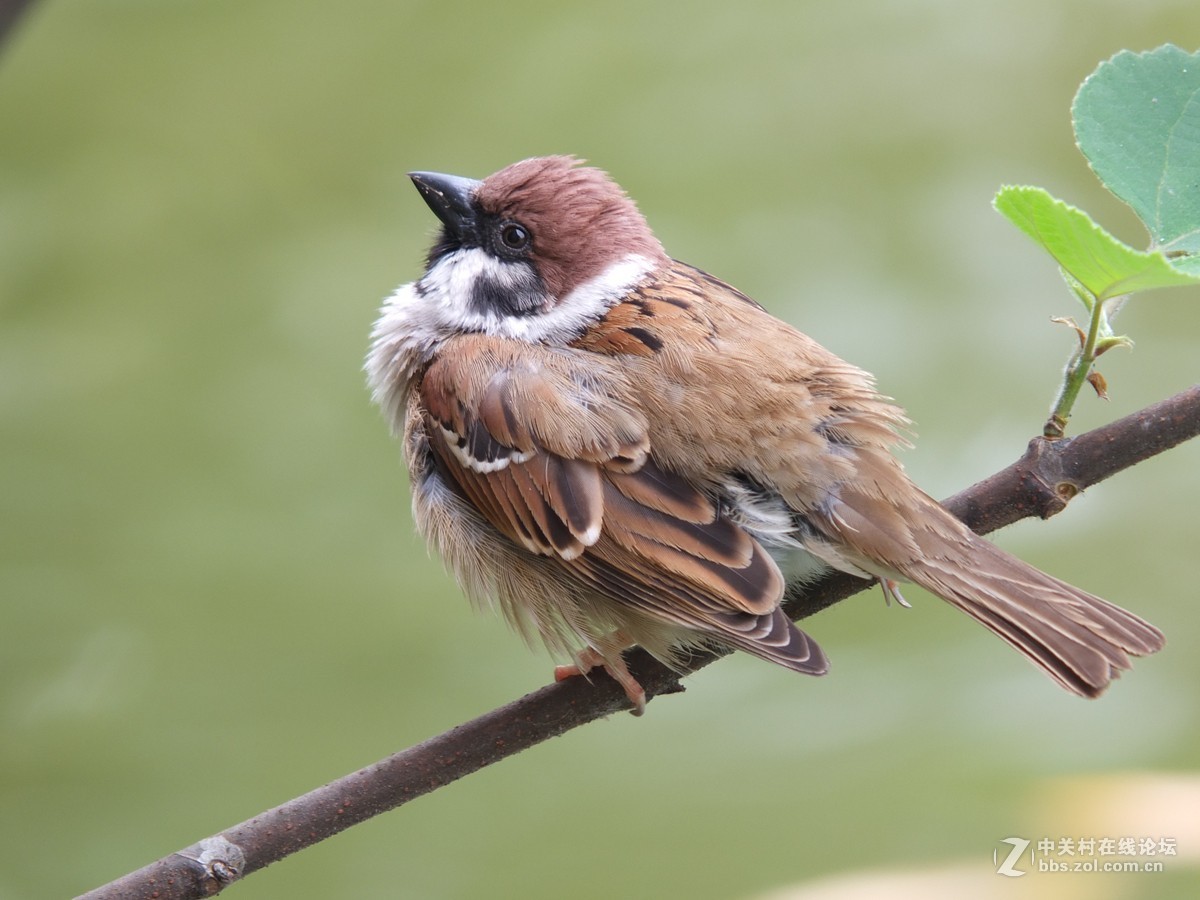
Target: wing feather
pixel 552 453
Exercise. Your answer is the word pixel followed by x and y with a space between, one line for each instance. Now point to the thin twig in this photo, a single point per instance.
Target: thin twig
pixel 1040 483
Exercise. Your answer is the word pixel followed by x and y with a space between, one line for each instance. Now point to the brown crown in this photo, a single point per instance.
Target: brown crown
pixel 580 219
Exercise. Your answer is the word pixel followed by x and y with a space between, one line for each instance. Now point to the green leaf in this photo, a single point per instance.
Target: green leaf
pixel 1091 256
pixel 1137 120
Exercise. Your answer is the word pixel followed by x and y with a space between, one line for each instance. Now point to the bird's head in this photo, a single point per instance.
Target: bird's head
pixel 537 252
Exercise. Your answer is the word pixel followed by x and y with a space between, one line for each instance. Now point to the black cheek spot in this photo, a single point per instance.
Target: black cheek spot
pixel 521 294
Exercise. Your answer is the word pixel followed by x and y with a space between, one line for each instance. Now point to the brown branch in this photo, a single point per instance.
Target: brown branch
pixel 1040 483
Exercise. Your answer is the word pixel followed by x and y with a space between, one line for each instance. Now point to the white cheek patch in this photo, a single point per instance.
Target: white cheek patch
pixel 586 304
pixel 592 299
pixel 455 278
pixel 617 280
pixel 444 304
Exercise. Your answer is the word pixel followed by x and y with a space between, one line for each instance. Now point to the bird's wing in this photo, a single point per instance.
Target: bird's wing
pixel 550 448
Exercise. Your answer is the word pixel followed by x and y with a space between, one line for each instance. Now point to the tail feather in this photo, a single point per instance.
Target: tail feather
pixel 1079 640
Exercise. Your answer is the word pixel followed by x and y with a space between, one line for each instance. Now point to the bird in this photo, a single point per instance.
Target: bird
pixel 614 448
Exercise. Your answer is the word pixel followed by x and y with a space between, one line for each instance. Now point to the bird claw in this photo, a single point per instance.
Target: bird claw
pixel 588 659
pixel 891 591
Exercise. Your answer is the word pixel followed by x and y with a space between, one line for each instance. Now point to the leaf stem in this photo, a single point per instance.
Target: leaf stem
pixel 1077 371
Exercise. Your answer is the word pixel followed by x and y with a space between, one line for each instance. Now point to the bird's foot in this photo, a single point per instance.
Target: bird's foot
pixel 588 659
pixel 891 591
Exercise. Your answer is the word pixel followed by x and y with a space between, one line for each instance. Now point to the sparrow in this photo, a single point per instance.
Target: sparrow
pixel 616 448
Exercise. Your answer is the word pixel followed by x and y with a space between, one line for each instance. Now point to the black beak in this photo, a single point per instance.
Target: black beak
pixel 450 197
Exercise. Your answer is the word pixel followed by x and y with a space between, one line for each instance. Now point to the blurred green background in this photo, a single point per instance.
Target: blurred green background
pixel 211 596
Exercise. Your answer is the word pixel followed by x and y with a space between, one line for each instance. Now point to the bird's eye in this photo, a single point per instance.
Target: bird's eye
pixel 514 236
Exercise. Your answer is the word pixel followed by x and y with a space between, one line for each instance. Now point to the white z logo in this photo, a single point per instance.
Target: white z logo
pixel 1019 846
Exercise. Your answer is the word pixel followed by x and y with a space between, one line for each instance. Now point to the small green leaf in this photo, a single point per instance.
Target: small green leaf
pixel 1105 344
pixel 1137 120
pixel 1089 255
